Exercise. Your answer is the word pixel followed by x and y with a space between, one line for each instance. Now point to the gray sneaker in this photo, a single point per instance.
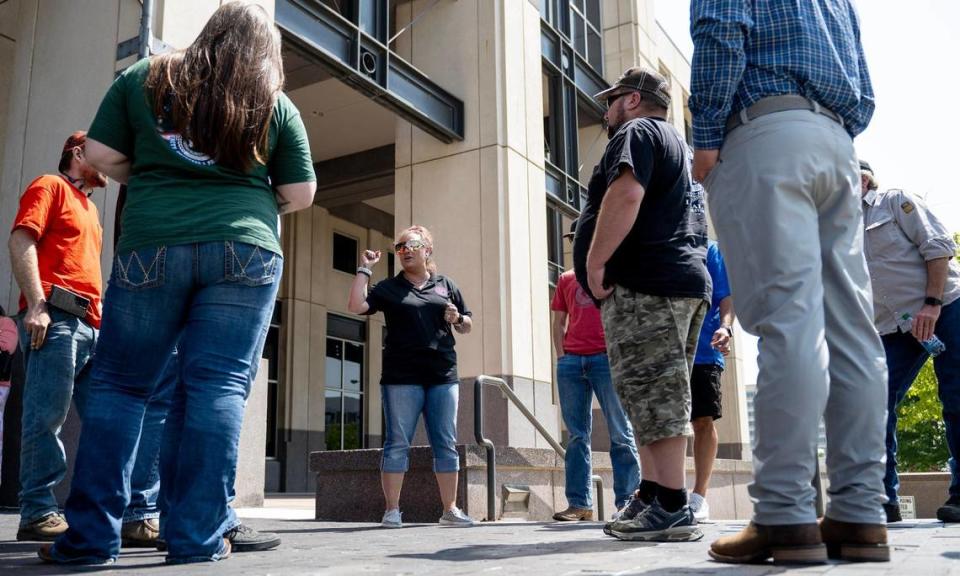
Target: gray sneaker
pixel 634 506
pixel 391 519
pixel 655 524
pixel 456 517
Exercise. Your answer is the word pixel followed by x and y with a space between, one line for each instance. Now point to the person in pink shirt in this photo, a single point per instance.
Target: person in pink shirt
pixel 582 372
pixel 8 346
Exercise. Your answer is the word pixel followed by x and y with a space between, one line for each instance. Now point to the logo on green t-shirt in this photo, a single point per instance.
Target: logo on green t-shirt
pixel 181 146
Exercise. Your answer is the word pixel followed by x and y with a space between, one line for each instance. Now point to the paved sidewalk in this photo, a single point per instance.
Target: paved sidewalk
pixel 922 548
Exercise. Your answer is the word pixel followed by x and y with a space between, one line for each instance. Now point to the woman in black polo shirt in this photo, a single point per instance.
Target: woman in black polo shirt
pixel 422 309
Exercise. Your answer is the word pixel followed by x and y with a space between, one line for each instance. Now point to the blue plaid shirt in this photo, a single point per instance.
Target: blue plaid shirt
pixel 745 50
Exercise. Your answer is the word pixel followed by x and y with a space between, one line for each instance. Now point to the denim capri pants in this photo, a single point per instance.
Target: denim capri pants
pixel 402 405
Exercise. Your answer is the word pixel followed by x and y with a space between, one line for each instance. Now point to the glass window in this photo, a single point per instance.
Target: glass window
pixel 271 353
pixel 352 366
pixel 333 419
pixel 594 49
pixel 344 253
pixel 552 149
pixel 344 384
pixel 585 19
pixel 579 35
pixel 593 13
pixel 352 421
pixel 554 243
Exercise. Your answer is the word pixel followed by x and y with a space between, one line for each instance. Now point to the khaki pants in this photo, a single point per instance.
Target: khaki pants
pixel 785 201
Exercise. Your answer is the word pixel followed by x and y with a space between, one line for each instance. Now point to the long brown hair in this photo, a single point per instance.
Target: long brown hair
pixel 219 93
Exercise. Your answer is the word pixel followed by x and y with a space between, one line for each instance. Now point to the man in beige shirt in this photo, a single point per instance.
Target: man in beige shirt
pixel 916 285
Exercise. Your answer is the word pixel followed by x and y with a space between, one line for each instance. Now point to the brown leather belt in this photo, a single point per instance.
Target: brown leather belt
pixel 782 103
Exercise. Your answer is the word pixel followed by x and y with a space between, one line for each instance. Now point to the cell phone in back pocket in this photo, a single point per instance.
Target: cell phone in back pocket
pixel 69 302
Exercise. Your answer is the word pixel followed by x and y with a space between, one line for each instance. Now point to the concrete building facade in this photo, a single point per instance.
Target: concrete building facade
pixel 470 117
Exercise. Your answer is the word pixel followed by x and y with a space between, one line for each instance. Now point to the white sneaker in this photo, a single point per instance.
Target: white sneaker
pixel 456 517
pixel 700 507
pixel 391 519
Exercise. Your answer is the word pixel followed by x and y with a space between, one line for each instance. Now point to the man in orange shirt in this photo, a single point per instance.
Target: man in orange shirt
pixel 56 241
pixel 55 249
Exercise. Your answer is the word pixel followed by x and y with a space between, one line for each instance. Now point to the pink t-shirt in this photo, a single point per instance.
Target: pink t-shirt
pixel 584 333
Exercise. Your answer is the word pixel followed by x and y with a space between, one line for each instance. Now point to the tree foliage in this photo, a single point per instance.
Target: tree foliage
pixel 920 430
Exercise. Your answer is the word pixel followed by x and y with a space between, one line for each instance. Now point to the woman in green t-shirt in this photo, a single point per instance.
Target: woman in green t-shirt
pixel 211 151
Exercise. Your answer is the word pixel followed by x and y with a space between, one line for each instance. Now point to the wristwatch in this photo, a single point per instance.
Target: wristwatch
pixel 729 330
pixel 931 301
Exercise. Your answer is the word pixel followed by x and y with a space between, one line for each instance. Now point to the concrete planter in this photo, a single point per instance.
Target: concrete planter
pixel 348 484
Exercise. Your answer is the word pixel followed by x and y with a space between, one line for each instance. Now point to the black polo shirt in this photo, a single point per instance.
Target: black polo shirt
pixel 419 346
pixel 665 252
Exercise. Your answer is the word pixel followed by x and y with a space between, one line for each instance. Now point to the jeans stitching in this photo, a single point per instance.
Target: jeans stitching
pixel 236 269
pixel 155 267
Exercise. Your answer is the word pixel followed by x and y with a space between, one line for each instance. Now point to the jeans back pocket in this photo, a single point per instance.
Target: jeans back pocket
pixel 140 269
pixel 248 264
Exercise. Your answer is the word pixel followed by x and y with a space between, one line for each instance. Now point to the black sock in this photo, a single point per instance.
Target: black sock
pixel 648 490
pixel 672 500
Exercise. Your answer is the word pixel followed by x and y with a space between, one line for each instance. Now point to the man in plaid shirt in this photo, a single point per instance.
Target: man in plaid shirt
pixel 779 89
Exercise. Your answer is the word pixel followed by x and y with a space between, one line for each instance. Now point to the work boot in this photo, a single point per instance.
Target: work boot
pixel 573 514
pixel 950 511
pixel 893 513
pixel 140 533
pixel 855 542
pixel 43 529
pixel 786 544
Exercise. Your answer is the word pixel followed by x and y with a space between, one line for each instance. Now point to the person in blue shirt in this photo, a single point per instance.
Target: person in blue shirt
pixel 779 89
pixel 706 399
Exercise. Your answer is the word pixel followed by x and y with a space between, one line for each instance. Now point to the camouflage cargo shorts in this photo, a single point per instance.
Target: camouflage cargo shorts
pixel 651 343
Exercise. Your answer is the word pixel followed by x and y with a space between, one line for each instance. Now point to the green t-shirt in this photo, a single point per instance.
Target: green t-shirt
pixel 176 195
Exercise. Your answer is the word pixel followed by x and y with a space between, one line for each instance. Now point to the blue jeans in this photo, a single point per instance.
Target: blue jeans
pixel 50 377
pixel 578 379
pixel 905 358
pixel 52 374
pixel 212 301
pixel 402 405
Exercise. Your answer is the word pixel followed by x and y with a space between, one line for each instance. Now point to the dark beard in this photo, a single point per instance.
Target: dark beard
pixel 94 179
pixel 612 130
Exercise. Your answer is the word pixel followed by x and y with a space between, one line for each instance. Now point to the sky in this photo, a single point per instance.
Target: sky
pixel 913 66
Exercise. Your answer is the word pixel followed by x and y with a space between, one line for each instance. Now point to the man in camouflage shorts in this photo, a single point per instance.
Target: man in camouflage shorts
pixel 641 248
pixel 651 346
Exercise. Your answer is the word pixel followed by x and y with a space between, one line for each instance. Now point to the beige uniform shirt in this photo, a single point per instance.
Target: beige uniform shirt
pixel 900 236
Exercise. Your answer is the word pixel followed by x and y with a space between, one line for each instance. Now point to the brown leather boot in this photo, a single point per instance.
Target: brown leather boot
pixel 855 542
pixel 572 514
pixel 788 544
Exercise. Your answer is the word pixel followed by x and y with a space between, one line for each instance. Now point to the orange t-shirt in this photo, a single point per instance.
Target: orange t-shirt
pixel 66 226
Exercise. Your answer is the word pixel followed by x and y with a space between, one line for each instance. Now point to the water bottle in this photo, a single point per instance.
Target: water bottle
pixel 933 345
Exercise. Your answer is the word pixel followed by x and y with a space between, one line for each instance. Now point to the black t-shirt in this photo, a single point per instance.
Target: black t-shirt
pixel 419 344
pixel 665 252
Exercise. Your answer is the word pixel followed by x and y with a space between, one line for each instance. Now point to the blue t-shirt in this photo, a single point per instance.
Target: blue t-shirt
pixel 706 354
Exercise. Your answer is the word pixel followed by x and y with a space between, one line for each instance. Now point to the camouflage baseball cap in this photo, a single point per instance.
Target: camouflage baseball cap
pixel 644 80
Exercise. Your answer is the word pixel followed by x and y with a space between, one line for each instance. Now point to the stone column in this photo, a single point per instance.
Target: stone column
pixel 484 198
pixel 65 59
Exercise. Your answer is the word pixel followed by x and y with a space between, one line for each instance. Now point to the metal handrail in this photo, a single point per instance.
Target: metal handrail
pixel 492 450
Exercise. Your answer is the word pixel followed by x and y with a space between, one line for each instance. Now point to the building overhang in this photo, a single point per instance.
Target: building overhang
pixel 365 62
